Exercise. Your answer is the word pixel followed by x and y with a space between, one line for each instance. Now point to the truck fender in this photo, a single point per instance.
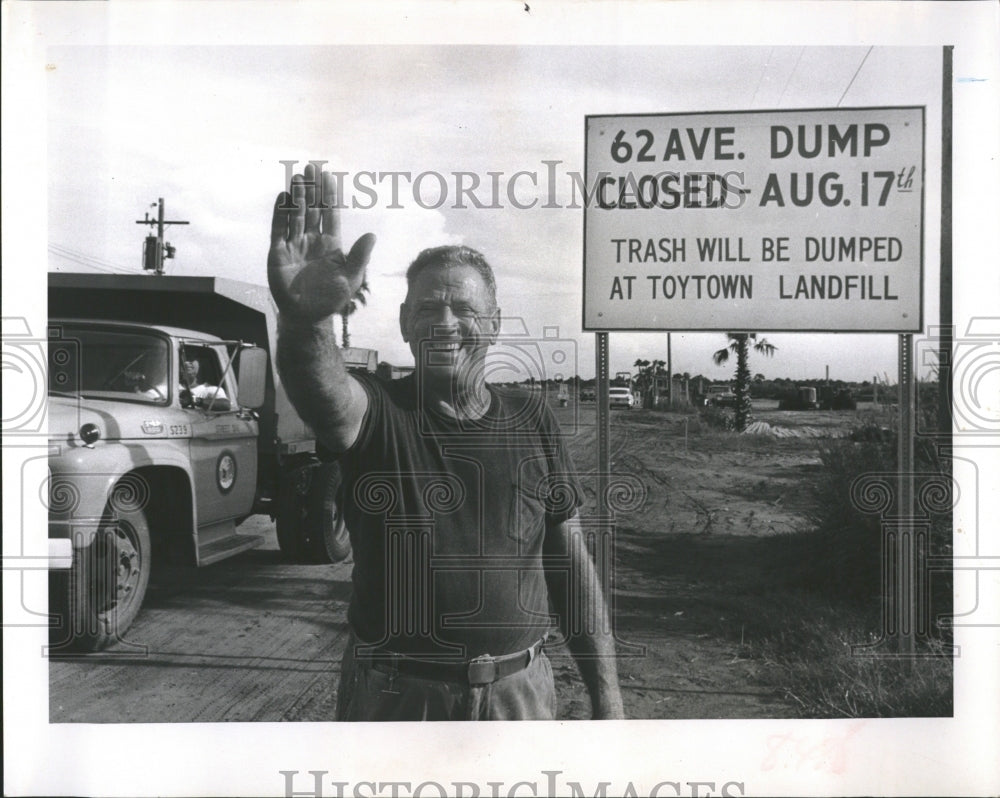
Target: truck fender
pixel 93 499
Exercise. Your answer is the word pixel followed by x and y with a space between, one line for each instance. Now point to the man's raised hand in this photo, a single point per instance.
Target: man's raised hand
pixel 309 275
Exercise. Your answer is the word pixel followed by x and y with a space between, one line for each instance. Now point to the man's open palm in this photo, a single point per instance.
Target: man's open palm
pixel 309 275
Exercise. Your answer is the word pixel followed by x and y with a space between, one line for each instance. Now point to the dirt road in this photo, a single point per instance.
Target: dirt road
pixel 250 638
pixel 256 639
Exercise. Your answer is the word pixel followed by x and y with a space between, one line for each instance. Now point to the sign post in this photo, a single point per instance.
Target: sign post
pixel 908 600
pixel 603 373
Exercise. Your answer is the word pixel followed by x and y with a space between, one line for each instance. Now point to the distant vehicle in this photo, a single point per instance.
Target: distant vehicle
pixel 387 371
pixel 727 399
pixel 588 395
pixel 358 358
pixel 844 400
pixel 620 397
pixel 720 396
pixel 563 395
pixel 804 398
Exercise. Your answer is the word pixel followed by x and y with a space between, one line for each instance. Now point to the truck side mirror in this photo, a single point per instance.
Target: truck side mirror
pixel 253 372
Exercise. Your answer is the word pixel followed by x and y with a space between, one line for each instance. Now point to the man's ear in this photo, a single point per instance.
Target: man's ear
pixel 404 317
pixel 494 325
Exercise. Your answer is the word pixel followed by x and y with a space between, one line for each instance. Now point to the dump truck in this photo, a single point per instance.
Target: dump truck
pixel 145 466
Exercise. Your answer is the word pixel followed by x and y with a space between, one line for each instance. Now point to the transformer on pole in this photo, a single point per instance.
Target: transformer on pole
pixel 154 249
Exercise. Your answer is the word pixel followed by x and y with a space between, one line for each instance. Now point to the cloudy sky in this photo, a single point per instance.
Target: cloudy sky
pixel 207 128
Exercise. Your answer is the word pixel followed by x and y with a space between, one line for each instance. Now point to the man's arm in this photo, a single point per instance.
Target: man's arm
pixel 312 370
pixel 583 616
pixel 311 279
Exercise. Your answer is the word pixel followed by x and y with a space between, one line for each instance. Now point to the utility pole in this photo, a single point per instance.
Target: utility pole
pixel 154 250
pixel 944 307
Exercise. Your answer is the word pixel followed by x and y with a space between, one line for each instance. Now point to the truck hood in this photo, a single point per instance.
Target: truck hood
pixel 114 420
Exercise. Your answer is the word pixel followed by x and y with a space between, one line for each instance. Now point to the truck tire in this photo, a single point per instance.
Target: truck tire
pixel 327 539
pixel 293 511
pixel 105 586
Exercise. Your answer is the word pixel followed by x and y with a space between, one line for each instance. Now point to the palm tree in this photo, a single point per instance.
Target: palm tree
pixel 641 369
pixel 646 375
pixel 357 299
pixel 739 344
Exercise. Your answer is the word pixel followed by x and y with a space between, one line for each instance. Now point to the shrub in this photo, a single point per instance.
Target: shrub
pixel 717 418
pixel 678 404
pixel 842 557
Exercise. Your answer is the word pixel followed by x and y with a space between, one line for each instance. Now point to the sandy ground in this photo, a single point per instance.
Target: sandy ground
pixel 255 638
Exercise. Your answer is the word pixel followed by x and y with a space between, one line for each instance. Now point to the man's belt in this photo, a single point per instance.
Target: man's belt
pixel 478 671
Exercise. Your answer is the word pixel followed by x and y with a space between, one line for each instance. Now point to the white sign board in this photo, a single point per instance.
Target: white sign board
pixel 804 220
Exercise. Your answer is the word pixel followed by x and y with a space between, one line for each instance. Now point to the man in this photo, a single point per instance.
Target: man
pixel 460 500
pixel 202 394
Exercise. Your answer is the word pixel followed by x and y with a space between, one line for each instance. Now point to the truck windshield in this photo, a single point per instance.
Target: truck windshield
pixel 109 364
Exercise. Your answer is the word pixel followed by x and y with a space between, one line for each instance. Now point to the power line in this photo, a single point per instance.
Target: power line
pixel 791 75
pixel 761 79
pixel 89 266
pixel 856 72
pixel 78 262
pixel 83 259
pixel 61 249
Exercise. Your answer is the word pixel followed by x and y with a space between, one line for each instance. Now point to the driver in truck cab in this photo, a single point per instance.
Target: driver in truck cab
pixel 202 394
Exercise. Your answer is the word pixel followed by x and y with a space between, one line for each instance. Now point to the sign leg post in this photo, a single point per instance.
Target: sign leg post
pixel 602 359
pixel 907 600
pixel 905 538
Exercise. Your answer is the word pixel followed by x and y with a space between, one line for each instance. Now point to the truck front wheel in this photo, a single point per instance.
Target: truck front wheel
pixel 106 584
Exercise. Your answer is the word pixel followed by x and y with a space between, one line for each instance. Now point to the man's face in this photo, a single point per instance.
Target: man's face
pixel 449 320
pixel 189 371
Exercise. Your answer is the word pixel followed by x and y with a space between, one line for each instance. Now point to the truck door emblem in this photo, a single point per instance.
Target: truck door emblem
pixel 152 427
pixel 225 471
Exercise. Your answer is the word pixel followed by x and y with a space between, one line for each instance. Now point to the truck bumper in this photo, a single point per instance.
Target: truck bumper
pixel 59 558
pixel 67 536
pixel 60 553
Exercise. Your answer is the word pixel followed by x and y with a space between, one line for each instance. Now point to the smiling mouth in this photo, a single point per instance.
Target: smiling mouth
pixel 441 353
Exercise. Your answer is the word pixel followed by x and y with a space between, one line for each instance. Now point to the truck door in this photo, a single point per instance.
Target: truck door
pixel 223 444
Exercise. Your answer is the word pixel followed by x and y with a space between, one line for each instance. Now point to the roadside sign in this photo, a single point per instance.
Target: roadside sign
pixel 803 220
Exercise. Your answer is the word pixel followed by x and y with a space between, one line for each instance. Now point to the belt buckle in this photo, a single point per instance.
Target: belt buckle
pixel 482 670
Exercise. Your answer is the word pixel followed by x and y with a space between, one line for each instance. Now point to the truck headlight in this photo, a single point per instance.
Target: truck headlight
pixel 90 434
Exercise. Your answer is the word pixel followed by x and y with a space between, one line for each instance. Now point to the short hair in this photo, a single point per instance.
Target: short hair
pixel 446 256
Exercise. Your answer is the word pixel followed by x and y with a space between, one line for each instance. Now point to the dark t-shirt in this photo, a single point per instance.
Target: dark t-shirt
pixel 447 521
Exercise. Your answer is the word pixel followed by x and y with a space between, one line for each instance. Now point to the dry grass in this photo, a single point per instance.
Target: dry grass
pixel 826 664
pixel 822 656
